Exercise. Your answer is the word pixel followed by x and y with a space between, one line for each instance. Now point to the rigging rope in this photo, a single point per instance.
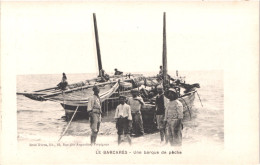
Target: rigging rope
pixel 187 106
pixel 199 98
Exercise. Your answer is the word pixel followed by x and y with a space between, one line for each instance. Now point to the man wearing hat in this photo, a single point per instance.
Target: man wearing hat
pixel 161 102
pixel 173 117
pixel 123 117
pixel 136 103
pixel 94 109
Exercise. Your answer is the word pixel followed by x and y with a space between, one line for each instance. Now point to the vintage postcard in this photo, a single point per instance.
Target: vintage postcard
pixel 129 82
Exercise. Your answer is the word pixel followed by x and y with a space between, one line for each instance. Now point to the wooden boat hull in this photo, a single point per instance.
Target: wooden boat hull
pixel 82 110
pixel 148 110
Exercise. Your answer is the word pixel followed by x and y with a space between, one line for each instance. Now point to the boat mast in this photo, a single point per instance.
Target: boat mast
pixel 164 57
pixel 97 45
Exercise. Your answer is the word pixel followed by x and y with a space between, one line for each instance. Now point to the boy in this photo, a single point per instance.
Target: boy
pixel 123 117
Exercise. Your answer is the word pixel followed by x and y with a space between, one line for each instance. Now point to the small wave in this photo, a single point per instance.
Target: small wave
pixel 28 110
pixel 55 123
pixel 40 124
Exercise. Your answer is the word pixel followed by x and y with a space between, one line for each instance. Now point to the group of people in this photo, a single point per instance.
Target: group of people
pixel 102 74
pixel 169 115
pixel 128 116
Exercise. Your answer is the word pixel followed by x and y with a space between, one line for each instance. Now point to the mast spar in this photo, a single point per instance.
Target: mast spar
pixel 164 57
pixel 97 45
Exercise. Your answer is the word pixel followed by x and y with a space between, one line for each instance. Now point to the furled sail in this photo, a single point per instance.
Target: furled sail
pixel 82 101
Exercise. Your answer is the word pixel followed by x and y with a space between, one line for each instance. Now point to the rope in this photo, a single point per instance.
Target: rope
pixel 201 103
pixel 199 98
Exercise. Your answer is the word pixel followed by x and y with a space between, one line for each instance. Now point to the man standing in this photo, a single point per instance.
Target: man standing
pixel 123 119
pixel 161 102
pixel 135 103
pixel 94 109
pixel 173 117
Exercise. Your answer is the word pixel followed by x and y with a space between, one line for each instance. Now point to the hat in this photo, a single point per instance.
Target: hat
pixel 95 88
pixel 172 90
pixel 159 87
pixel 123 97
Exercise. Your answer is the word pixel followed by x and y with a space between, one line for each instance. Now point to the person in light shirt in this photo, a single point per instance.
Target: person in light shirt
pixel 173 117
pixel 123 117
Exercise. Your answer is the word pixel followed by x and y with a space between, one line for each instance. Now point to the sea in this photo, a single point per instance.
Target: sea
pixel 45 122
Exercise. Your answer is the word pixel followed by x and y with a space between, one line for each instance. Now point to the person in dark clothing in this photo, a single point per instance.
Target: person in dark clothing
pixel 161 102
pixel 161 71
pixel 64 83
pixel 64 76
pixel 117 72
pixel 136 102
pixel 104 76
pixel 160 75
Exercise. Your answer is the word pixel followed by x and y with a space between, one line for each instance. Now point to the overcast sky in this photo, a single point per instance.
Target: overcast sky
pixel 59 37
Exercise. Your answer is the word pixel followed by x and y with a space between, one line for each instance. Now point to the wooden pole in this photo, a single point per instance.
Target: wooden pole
pixel 97 44
pixel 68 123
pixel 164 60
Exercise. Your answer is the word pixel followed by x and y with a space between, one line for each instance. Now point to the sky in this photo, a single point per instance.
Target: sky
pixel 56 37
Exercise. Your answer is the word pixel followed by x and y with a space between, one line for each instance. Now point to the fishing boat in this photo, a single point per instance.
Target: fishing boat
pixel 74 98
